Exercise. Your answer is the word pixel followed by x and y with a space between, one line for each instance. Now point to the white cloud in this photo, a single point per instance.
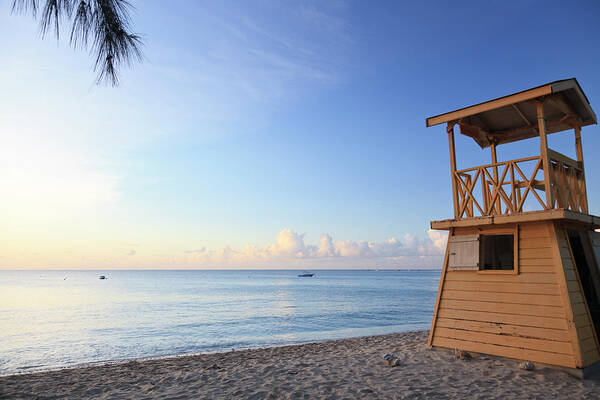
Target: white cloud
pixel 327 247
pixel 290 247
pixel 289 244
pixel 438 238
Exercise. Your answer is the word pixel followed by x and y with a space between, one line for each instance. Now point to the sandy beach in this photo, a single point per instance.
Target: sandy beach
pixel 340 369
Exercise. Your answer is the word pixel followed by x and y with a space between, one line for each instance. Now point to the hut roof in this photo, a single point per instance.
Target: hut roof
pixel 514 117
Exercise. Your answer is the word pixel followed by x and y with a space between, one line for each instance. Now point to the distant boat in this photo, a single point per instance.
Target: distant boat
pixel 306 275
pixel 102 277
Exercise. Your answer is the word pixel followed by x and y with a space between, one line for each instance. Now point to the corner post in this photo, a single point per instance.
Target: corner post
pixel 450 130
pixel 579 147
pixel 544 154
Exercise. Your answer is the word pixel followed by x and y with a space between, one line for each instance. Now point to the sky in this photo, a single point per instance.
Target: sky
pixel 260 134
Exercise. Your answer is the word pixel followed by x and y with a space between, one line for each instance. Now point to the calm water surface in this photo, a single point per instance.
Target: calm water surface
pixel 51 319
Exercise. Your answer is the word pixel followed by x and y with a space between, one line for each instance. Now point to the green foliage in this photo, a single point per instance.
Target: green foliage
pixel 102 26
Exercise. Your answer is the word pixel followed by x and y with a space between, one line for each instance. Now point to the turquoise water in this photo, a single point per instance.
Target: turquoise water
pixel 51 319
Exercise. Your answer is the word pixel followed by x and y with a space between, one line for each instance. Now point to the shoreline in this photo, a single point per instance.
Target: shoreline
pixel 116 362
pixel 336 369
pixel 101 363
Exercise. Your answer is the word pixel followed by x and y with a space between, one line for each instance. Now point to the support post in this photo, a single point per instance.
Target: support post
pixel 544 154
pixel 450 130
pixel 513 189
pixel 498 204
pixel 579 147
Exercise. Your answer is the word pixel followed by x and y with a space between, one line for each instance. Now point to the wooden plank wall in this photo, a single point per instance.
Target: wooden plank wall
pixel 519 316
pixel 584 337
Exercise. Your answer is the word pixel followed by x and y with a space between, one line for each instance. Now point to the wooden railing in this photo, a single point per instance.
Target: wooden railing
pixel 568 183
pixel 512 187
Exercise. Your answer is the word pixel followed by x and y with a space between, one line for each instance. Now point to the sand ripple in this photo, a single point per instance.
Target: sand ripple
pixel 341 369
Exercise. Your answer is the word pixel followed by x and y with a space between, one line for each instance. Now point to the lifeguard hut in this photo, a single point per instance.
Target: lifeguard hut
pixel 521 277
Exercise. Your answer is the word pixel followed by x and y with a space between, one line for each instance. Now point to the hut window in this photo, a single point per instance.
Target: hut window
pixel 497 252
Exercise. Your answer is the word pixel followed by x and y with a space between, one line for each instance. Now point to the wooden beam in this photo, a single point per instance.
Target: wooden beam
pixel 578 145
pixel 544 153
pixel 474 132
pixel 489 105
pixel 590 221
pixel 556 156
pixel 502 163
pixel 450 130
pixel 498 203
pixel 518 110
pixel 549 125
pixel 513 188
pixel 561 103
pixel 439 294
pixel 579 148
pixel 483 137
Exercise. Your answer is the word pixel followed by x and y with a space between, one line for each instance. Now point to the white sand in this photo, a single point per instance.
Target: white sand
pixel 341 369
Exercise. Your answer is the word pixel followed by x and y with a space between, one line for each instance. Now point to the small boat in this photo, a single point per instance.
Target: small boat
pixel 306 275
pixel 102 277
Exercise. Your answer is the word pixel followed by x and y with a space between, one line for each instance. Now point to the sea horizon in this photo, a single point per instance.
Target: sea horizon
pixel 218 269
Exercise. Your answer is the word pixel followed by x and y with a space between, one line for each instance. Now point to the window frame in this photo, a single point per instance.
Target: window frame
pixel 504 231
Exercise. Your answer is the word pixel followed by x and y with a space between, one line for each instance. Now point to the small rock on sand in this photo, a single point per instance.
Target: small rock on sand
pixel 527 366
pixel 462 355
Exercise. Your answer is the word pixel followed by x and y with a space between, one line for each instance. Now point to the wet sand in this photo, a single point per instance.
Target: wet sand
pixel 340 369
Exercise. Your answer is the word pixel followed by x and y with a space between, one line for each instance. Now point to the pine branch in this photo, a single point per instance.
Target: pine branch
pixel 105 22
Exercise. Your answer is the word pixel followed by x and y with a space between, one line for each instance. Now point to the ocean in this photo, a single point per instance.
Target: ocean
pixel 54 319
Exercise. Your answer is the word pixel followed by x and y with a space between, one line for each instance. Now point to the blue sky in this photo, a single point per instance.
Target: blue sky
pixel 256 128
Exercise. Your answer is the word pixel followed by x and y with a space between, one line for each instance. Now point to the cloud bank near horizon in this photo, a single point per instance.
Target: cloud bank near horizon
pixel 290 249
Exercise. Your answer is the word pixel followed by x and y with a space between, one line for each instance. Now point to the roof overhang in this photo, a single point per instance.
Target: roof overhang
pixel 514 117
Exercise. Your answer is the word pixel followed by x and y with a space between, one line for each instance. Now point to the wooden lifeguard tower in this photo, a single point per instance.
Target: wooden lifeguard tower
pixel 521 277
